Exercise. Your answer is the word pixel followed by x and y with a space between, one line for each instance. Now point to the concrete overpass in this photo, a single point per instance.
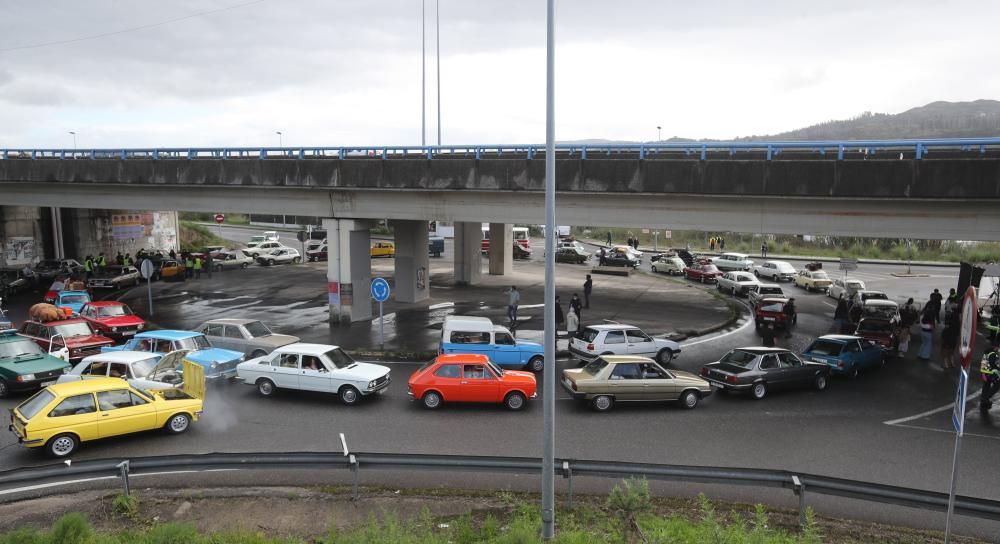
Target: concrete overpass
pixel 933 189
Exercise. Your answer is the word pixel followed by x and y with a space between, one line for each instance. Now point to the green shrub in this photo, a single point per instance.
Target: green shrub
pixel 174 533
pixel 126 506
pixel 23 536
pixel 72 528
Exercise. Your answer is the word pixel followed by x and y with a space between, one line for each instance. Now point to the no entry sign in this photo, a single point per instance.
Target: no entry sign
pixel 219 218
pixel 967 334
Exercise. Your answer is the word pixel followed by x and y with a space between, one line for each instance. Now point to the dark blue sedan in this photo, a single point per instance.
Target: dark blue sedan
pixel 847 355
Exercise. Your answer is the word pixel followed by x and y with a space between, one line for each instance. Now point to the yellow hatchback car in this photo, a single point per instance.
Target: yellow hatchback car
pixel 63 415
pixel 383 249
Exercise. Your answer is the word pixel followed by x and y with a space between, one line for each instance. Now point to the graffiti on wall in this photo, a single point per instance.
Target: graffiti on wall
pixel 19 250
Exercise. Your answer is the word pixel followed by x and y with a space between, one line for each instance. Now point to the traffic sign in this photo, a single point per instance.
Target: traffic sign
pixel 380 290
pixel 146 269
pixel 219 218
pixel 967 333
pixel 848 264
pixel 958 414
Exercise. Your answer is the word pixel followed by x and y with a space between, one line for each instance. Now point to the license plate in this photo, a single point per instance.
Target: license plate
pixel 717 385
pixel 768 319
pixel 48 383
pixel 382 391
pixel 128 333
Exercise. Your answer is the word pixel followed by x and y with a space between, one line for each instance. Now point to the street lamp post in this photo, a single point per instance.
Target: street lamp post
pixel 658 137
pixel 423 73
pixel 437 28
pixel 549 387
pixel 74 140
pixel 280 141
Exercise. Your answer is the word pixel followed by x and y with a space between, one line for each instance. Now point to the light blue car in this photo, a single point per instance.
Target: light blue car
pixel 844 354
pixel 74 300
pixel 466 334
pixel 218 363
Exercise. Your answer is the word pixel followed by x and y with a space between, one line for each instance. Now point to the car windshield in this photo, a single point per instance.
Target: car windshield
pixel 339 358
pixel 32 406
pixel 589 334
pixel 739 358
pixel 257 329
pixel 496 370
pixel 193 343
pixel 142 368
pixel 825 347
pixel 74 329
pixel 876 295
pixel 595 366
pixel 75 299
pixel 770 290
pixel 18 348
pixel 114 311
pixel 855 285
pixel 785 267
pixel 820 275
pixel 772 307
pixel 709 268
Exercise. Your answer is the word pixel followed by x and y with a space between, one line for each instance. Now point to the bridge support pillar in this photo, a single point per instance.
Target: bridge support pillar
pixel 501 254
pixel 468 253
pixel 348 270
pixel 412 282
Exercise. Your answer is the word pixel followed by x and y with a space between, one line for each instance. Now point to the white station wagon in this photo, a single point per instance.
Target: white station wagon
pixel 617 339
pixel 314 367
pixel 733 261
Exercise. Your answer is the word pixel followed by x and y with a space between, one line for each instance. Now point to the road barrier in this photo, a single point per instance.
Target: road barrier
pixel 19 480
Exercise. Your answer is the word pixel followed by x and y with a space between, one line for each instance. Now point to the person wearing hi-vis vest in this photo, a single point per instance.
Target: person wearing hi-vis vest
pixel 990 369
pixel 188 267
pixel 197 267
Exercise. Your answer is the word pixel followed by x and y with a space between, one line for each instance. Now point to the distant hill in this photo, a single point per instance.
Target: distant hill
pixel 935 120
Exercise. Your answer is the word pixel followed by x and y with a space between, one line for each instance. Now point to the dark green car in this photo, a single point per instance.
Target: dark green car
pixel 24 365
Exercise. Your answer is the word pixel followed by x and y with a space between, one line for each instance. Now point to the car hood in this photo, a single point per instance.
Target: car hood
pixel 689 377
pixel 276 340
pixel 213 355
pixel 364 372
pixel 34 364
pixel 518 376
pixel 120 321
pixel 528 344
pixel 80 341
pixel 664 343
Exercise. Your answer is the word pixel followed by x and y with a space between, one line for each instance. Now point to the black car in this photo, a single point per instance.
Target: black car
pixel 759 370
pixel 618 258
pixel 50 268
pixel 573 255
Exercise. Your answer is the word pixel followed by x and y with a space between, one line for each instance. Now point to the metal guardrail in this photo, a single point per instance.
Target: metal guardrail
pixel 703 150
pixel 16 480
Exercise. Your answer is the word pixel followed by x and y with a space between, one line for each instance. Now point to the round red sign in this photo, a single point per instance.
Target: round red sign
pixel 967 333
pixel 219 218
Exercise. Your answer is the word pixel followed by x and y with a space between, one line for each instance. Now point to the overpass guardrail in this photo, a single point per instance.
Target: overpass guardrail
pixel 20 480
pixel 917 148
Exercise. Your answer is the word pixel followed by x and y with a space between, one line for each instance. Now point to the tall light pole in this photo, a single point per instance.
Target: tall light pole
pixel 74 139
pixel 658 137
pixel 423 73
pixel 549 387
pixel 280 140
pixel 437 28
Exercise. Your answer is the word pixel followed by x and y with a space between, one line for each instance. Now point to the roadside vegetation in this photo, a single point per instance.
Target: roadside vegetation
pixel 194 237
pixel 820 246
pixel 231 218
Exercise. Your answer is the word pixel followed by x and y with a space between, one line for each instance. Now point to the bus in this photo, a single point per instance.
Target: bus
pixel 520 236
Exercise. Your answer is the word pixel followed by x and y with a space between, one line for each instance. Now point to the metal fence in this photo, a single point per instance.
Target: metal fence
pixel 20 480
pixel 916 148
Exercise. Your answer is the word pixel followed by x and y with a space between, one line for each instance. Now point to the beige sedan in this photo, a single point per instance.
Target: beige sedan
pixel 813 280
pixel 629 378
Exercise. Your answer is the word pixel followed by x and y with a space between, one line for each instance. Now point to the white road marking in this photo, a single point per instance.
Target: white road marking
pixel 441 305
pixel 949 406
pixel 949 431
pixel 830 304
pixel 710 338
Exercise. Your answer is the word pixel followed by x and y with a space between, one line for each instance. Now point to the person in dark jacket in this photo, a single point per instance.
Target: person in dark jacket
pixel 588 287
pixel 767 335
pixel 559 315
pixel 791 317
pixel 840 315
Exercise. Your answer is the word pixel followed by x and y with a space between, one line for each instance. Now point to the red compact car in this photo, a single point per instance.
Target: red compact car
pixel 74 334
pixel 703 272
pixel 463 377
pixel 772 310
pixel 112 319
pixel 883 332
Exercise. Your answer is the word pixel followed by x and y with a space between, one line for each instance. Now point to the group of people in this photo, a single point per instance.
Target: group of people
pixel 717 241
pixel 572 318
pixel 92 265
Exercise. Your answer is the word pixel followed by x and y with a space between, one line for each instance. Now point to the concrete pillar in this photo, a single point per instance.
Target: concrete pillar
pixel 468 253
pixel 348 272
pixel 501 253
pixel 22 236
pixel 412 261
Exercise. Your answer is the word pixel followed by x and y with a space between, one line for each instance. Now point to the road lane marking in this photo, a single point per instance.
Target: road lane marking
pixel 830 304
pixel 949 406
pixel 703 340
pixel 949 431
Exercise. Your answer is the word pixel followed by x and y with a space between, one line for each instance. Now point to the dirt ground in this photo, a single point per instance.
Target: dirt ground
pixel 311 512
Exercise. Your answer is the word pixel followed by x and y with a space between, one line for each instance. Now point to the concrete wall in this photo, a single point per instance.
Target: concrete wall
pixel 23 231
pixel 92 231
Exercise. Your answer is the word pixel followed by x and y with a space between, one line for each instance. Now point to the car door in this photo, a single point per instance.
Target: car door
pixel 505 351
pixel 771 370
pixel 314 375
pixel 478 385
pixel 852 355
pixel 638 343
pixel 793 371
pixel 286 370
pixel 614 342
pixel 657 383
pixel 79 413
pixel 625 382
pixel 236 338
pixel 871 353
pixel 121 411
pixel 216 335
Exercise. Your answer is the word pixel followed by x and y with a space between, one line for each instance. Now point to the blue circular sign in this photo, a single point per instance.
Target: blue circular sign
pixel 380 290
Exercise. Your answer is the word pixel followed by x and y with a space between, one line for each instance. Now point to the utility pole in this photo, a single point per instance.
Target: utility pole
pixel 437 27
pixel 549 387
pixel 423 73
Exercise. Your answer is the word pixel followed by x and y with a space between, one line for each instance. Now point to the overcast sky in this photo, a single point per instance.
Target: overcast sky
pixel 329 72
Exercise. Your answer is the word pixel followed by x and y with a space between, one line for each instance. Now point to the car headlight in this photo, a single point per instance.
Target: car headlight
pixel 214 365
pixel 139 328
pixel 26 378
pixel 114 329
pixel 371 384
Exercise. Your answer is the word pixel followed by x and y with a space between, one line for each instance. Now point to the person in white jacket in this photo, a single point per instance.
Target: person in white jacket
pixel 572 323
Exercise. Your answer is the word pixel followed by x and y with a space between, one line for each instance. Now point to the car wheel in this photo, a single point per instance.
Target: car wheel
pixel 664 356
pixel 514 401
pixel 853 374
pixel 218 268
pixel 689 399
pixel 432 400
pixel 732 291
pixel 653 268
pixel 257 353
pixel 536 363
pixel 62 445
pixel 820 382
pixel 702 279
pixel 270 262
pixel 759 390
pixel 756 273
pixel 349 395
pixel 602 403
pixel 244 266
pixel 718 287
pixel 266 387
pixel 4 389
pixel 296 260
pixel 178 423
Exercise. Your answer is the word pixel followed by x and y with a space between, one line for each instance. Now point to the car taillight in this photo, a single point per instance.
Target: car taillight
pixel 840 364
pixel 704 371
pixel 590 347
pixel 731 379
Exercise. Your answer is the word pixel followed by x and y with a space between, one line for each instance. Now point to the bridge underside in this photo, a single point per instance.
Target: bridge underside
pixel 928 218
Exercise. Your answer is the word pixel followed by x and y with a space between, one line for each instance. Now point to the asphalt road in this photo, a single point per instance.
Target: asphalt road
pixel 890 426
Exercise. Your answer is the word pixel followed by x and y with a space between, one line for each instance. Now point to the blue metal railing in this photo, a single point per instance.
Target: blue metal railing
pixel 701 150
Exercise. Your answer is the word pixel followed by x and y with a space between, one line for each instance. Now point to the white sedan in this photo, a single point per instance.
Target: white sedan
pixel 142 369
pixel 775 270
pixel 283 255
pixel 737 283
pixel 314 367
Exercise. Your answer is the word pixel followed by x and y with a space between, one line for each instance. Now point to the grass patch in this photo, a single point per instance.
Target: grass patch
pixel 194 237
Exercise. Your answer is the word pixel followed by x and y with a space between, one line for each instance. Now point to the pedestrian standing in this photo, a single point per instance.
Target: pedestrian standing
pixel 907 317
pixel 588 287
pixel 791 317
pixel 572 323
pixel 927 320
pixel 173 254
pixel 609 238
pixel 209 264
pixel 989 367
pixel 102 262
pixel 601 257
pixel 88 267
pixel 767 335
pixel 840 314
pixel 577 306
pixel 722 243
pixel 636 243
pixel 763 250
pixel 559 314
pixel 711 244
pixel 126 260
pixel 513 301
pixel 197 267
pixel 119 259
pixel 949 340
pixel 188 267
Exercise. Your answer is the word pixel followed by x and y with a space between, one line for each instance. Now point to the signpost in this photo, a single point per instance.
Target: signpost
pixel 146 271
pixel 966 347
pixel 380 292
pixel 219 218
pixel 848 264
